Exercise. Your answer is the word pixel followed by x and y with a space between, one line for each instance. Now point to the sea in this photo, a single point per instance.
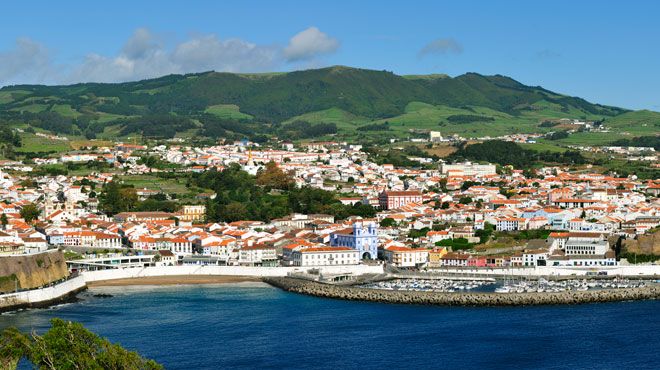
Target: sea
pixel 253 325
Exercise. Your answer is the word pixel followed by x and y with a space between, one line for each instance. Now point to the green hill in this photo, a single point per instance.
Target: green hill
pixel 238 105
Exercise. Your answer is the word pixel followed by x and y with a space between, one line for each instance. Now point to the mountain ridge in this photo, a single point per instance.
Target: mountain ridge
pixel 274 98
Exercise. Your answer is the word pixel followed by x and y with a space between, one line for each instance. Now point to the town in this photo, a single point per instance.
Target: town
pixel 438 215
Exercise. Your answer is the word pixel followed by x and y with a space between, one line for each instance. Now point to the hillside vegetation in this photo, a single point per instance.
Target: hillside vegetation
pixel 233 106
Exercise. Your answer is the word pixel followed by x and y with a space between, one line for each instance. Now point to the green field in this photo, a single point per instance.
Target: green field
pixel 544 146
pixel 33 143
pixel 227 111
pixel 66 110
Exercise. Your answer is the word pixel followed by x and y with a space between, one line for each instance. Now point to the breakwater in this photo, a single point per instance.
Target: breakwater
pixel 353 293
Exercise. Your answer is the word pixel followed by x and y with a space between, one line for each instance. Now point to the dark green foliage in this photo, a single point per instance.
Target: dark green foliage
pixel 639 258
pixel 468 118
pixel 8 136
pixel 67 345
pixel 157 125
pixel 557 135
pixel 30 212
pixel 305 130
pixel 387 222
pixel 641 141
pixel 508 153
pixel 50 170
pixel 240 197
pixel 385 126
pixel 455 244
pixel 116 198
pixel 418 233
pixel 485 233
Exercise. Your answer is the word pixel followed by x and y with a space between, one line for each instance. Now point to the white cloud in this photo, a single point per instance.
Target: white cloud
pixel 308 44
pixel 441 46
pixel 232 55
pixel 144 55
pixel 27 62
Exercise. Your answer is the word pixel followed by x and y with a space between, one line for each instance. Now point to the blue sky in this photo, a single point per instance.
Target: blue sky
pixel 603 51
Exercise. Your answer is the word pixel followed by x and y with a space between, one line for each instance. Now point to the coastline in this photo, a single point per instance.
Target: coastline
pixel 175 280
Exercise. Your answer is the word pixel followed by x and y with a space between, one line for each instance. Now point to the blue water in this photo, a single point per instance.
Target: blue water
pixel 255 326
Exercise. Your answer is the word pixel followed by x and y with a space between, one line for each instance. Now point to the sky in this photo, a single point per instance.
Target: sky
pixel 604 51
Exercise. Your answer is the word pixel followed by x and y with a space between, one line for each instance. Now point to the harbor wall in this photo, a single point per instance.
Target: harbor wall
pixel 43 296
pixel 137 272
pixel 352 293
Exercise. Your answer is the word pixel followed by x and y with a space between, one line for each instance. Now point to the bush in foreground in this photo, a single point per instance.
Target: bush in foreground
pixel 67 345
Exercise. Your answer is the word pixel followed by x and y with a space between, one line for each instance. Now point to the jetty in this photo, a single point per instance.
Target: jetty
pixel 353 293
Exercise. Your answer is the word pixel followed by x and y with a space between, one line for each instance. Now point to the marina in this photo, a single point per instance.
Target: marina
pixel 505 285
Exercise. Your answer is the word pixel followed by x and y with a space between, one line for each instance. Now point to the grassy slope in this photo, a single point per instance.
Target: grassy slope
pixel 227 111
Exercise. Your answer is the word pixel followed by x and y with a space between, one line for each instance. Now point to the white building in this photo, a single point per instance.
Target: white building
pixel 468 169
pixel 325 256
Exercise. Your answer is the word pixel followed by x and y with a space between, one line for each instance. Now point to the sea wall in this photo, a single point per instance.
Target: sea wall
pixel 44 296
pixel 460 299
pixel 32 270
pixel 137 272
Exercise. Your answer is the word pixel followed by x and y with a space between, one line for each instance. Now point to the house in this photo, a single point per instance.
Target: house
pixel 406 257
pixel 436 236
pixel 535 257
pixel 435 256
pixel 454 260
pixel 511 224
pixel 397 199
pixel 167 258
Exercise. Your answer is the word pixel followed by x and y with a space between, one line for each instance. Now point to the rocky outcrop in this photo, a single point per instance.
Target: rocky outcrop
pixel 644 244
pixel 31 271
pixel 460 299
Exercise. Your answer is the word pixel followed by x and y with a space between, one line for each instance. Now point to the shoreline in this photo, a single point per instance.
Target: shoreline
pixel 175 280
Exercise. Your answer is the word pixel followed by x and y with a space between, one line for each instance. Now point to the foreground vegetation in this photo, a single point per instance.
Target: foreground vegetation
pixel 67 345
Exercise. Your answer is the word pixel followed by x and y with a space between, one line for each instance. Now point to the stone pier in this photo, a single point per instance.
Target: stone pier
pixel 353 293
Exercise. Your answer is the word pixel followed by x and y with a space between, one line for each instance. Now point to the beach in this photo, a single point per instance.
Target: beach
pixel 174 280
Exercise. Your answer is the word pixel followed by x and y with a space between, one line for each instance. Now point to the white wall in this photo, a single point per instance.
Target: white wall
pixel 220 270
pixel 42 295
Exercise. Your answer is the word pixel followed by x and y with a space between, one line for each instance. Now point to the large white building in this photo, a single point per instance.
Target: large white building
pixel 582 247
pixel 325 256
pixel 468 169
pixel 257 256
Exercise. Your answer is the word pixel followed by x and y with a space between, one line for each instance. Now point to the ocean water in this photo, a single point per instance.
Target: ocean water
pixel 252 325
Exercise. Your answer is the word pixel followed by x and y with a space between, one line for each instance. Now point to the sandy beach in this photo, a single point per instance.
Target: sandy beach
pixel 174 280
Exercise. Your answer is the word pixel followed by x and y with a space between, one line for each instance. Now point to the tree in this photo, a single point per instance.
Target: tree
pixel 465 200
pixel 67 345
pixel 30 212
pixel 273 177
pixel 387 222
pixel 4 221
pixel 115 199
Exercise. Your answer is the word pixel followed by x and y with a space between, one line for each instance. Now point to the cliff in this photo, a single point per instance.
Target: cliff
pixel 644 244
pixel 31 271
